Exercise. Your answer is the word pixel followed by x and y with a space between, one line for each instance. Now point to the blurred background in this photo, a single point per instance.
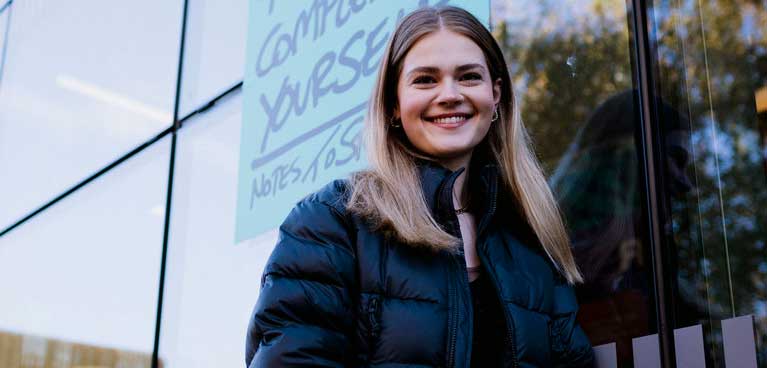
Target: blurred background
pixel 120 129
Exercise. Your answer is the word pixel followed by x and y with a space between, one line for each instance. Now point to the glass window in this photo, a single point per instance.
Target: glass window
pixel 211 283
pixel 571 63
pixel 5 11
pixel 214 55
pixel 79 281
pixel 83 83
pixel 712 59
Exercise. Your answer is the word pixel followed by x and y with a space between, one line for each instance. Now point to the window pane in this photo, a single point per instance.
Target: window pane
pixel 83 83
pixel 214 55
pixel 79 281
pixel 572 69
pixel 712 59
pixel 4 16
pixel 211 283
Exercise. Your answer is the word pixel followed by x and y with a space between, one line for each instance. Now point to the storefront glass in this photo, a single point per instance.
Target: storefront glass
pixel 214 53
pixel 78 283
pixel 712 85
pixel 572 65
pixel 83 83
pixel 75 95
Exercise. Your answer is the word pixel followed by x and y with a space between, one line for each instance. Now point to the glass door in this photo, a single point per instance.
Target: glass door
pixel 711 86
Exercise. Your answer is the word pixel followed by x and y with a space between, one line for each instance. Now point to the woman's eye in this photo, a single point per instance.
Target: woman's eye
pixel 472 76
pixel 424 79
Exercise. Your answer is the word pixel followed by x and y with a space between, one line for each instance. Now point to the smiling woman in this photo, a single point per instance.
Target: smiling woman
pixel 449 250
pixel 446 97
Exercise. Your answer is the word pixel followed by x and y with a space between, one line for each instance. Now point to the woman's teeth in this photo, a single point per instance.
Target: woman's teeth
pixel 450 120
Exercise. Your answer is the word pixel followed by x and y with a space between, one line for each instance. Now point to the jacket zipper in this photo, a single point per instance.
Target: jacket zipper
pixel 456 286
pixel 375 327
pixel 509 321
pixel 452 282
pixel 509 325
pixel 453 322
pixel 493 204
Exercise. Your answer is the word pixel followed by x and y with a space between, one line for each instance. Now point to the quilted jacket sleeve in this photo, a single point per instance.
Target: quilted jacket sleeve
pixel 570 346
pixel 304 313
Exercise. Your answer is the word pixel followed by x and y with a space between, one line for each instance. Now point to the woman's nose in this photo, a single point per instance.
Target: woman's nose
pixel 449 93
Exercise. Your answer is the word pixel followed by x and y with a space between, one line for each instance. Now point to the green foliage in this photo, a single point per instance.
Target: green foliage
pixel 711 58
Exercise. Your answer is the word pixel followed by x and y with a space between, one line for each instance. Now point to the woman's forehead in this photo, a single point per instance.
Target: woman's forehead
pixel 443 50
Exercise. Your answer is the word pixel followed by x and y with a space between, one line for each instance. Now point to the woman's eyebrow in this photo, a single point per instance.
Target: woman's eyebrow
pixel 423 69
pixel 435 70
pixel 466 67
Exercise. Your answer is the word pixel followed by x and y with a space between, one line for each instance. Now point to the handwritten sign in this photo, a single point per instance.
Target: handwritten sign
pixel 310 68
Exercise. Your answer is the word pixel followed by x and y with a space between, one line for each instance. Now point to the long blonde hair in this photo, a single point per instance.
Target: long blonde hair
pixel 389 194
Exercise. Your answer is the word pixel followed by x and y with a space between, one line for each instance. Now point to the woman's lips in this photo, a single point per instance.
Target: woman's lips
pixel 449 121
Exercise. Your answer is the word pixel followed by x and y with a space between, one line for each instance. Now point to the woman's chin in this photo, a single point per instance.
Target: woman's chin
pixel 453 158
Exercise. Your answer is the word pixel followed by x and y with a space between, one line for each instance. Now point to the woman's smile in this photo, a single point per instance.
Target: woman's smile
pixel 446 97
pixel 450 120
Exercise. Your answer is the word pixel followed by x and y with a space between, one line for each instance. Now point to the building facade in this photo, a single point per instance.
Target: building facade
pixel 120 133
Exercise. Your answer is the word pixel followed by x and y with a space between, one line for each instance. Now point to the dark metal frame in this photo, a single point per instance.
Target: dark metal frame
pixel 651 155
pixel 178 125
pixel 5 6
pixel 169 196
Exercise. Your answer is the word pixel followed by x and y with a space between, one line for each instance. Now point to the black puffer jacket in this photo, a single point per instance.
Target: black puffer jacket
pixel 335 294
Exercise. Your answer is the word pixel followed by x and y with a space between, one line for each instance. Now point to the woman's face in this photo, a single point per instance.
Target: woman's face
pixel 445 97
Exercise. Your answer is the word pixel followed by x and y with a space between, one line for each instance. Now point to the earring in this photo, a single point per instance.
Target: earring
pixel 495 115
pixel 394 122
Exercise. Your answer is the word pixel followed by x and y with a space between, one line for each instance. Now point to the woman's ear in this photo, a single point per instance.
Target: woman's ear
pixel 395 112
pixel 497 90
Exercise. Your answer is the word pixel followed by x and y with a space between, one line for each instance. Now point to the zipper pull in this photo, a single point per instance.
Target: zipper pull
pixel 373 313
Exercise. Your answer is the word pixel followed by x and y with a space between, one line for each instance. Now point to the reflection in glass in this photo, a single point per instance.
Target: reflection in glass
pixel 212 282
pixel 5 11
pixel 214 56
pixel 83 83
pixel 712 58
pixel 565 58
pixel 571 62
pixel 86 270
pixel 598 183
pixel 33 351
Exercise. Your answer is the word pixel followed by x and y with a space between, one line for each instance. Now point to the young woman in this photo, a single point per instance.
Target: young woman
pixel 450 250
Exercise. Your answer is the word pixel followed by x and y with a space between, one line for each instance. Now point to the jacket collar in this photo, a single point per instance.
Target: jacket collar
pixel 437 184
